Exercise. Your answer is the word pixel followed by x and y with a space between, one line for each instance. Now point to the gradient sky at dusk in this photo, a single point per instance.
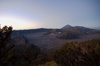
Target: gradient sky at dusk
pixel 27 14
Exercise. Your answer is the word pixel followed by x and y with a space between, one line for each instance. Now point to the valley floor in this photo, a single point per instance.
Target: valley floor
pixel 51 42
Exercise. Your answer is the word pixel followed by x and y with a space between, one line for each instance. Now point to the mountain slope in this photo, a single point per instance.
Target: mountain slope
pixel 72 32
pixel 66 27
pixel 17 52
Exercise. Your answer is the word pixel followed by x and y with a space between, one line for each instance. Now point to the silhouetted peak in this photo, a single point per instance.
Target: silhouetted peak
pixel 67 26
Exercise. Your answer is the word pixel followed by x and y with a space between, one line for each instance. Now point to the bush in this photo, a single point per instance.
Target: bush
pixel 79 54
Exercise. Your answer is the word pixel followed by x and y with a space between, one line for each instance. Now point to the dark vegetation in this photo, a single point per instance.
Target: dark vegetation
pixel 13 54
pixel 79 54
pixel 71 54
pixel 17 51
pixel 5 45
pixel 5 34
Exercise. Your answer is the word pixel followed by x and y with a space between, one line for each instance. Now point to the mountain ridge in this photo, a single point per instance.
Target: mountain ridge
pixel 67 26
pixel 70 27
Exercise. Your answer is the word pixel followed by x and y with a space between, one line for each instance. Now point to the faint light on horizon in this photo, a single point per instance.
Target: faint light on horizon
pixel 18 23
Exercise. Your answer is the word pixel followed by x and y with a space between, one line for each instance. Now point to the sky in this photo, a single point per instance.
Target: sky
pixel 31 14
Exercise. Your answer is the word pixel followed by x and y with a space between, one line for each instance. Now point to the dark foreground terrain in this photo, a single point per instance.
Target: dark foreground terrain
pixel 44 47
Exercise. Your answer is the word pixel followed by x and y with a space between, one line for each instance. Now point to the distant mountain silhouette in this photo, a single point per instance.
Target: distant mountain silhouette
pixel 66 32
pixel 67 26
pixel 72 32
pixel 34 30
pixel 74 27
pixel 97 28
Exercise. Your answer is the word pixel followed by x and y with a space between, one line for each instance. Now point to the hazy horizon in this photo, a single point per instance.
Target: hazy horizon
pixel 31 14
